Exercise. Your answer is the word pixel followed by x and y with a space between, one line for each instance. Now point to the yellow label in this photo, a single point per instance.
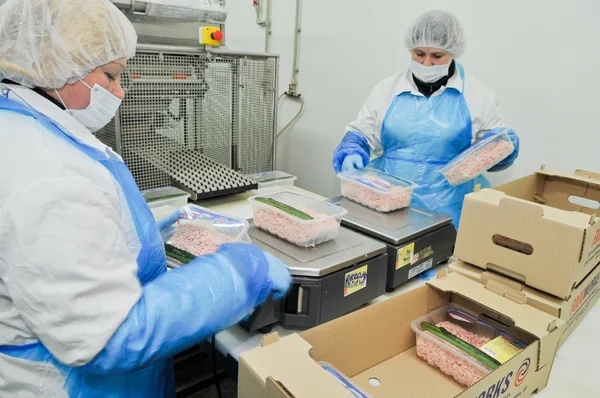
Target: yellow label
pixel 355 280
pixel 500 349
pixel 405 256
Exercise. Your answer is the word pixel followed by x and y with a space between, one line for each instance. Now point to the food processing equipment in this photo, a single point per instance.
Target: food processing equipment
pixel 195 117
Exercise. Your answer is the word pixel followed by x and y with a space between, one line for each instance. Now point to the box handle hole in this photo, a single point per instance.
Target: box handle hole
pixel 374 382
pixel 513 244
pixel 584 202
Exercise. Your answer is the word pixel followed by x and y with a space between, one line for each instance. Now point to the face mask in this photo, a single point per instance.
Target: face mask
pixel 102 108
pixel 429 74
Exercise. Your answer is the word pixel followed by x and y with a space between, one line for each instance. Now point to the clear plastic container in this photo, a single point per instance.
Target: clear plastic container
pixel 272 179
pixel 200 231
pixel 478 159
pixel 492 345
pixel 165 201
pixel 299 219
pixel 376 190
pixel 343 380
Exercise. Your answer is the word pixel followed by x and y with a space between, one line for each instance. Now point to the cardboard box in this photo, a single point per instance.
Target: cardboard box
pixel 377 342
pixel 530 231
pixel 571 311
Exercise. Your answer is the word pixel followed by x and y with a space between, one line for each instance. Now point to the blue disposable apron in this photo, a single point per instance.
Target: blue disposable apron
pixel 420 136
pixel 156 380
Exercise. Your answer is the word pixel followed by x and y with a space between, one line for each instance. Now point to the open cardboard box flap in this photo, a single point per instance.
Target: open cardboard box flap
pixel 586 177
pixel 533 211
pixel 509 288
pixel 378 338
pixel 571 310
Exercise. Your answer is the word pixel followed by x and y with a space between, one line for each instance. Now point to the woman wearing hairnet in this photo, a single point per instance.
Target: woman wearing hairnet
pixel 414 123
pixel 87 308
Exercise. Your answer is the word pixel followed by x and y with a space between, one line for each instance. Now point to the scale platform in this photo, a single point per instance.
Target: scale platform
pixel 329 280
pixel 416 240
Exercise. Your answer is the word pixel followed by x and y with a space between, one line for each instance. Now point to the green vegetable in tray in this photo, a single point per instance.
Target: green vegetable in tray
pixel 180 255
pixel 285 208
pixel 462 345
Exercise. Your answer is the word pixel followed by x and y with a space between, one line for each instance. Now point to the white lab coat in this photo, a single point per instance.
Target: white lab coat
pixel 68 249
pixel 481 101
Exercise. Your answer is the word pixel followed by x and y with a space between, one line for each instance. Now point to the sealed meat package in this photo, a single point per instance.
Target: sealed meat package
pixel 478 159
pixel 296 218
pixel 379 191
pixel 461 345
pixel 200 231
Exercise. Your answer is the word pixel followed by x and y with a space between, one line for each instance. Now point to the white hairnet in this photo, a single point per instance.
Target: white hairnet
pixel 437 29
pixel 48 43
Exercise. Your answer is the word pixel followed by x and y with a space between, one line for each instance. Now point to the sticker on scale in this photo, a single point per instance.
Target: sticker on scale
pixel 405 256
pixel 422 255
pixel 420 268
pixel 355 280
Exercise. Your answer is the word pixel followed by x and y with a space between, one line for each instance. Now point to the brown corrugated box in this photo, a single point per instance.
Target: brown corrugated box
pixel 572 310
pixel 532 231
pixel 377 342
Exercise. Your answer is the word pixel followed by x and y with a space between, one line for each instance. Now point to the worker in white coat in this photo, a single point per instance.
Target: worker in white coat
pixel 87 307
pixel 414 123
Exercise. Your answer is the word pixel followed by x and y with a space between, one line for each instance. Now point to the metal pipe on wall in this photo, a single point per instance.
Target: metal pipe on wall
pixel 266 23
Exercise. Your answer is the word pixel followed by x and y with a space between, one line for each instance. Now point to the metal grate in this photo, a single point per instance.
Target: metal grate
pixel 196 106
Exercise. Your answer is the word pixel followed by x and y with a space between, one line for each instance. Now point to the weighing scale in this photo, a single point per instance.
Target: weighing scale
pixel 329 280
pixel 416 240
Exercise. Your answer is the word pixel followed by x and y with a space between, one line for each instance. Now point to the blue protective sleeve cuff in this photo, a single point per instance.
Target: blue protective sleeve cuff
pixel 353 143
pixel 186 306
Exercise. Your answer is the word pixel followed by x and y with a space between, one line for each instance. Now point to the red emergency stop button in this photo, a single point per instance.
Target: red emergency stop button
pixel 217 35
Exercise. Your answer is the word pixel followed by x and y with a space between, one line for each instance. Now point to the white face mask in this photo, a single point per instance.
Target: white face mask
pixel 429 74
pixel 102 108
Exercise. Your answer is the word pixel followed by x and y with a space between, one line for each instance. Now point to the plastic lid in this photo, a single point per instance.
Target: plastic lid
pixel 233 227
pixel 293 204
pixel 157 194
pixel 268 176
pixel 377 180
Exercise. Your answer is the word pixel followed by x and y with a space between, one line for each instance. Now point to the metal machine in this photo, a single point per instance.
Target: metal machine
pixel 194 117
pixel 416 240
pixel 329 280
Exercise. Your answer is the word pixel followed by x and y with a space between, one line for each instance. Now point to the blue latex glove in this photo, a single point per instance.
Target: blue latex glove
pixel 187 305
pixel 279 274
pixel 352 162
pixel 353 144
pixel 168 221
pixel 514 138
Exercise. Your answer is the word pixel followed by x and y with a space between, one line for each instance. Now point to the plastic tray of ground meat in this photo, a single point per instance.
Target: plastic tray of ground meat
pixel 376 190
pixel 490 344
pixel 296 218
pixel 200 231
pixel 478 159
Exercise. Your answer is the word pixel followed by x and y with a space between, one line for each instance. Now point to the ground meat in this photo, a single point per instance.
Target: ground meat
pixel 397 198
pixel 321 230
pixel 198 240
pixel 450 364
pixel 478 162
